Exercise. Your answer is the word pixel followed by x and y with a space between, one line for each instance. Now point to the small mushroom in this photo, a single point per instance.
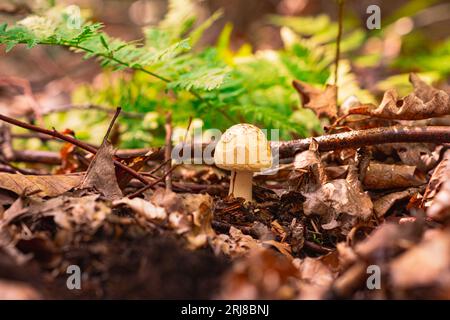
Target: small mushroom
pixel 243 149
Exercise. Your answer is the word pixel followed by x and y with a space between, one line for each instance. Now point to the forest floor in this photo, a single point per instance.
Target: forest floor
pixel 359 213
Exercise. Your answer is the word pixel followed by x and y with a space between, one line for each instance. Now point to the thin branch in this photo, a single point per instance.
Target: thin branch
pixel 89 106
pixel 287 149
pixel 338 45
pixel 145 188
pixel 37 156
pixel 111 124
pixel 72 140
pixel 168 151
pixel 360 138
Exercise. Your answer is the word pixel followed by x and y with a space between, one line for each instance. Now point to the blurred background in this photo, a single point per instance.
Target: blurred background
pixel 414 37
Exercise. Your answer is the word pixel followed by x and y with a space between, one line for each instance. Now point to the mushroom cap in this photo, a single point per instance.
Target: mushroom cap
pixel 243 147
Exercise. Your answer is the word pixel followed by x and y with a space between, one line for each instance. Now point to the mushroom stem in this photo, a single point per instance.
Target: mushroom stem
pixel 241 184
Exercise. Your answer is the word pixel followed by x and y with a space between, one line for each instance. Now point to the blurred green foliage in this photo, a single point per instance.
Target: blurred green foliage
pixel 218 86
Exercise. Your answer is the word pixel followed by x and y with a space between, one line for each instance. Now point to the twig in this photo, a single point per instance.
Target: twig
pixel 111 124
pixel 37 156
pixel 351 139
pixel 68 107
pixel 72 140
pixel 168 151
pixel 5 143
pixel 154 170
pixel 286 149
pixel 360 138
pixel 8 167
pixel 26 136
pixel 145 188
pixel 187 129
pixel 338 46
pixel 317 247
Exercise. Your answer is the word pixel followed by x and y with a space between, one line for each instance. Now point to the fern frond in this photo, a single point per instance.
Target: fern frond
pixel 202 79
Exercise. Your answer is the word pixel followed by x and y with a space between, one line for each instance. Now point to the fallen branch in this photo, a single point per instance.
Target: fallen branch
pixel 287 149
pixel 350 139
pixel 37 156
pixel 360 138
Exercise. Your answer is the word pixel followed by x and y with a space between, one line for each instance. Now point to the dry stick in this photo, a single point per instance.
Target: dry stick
pixel 88 106
pixel 360 138
pixel 162 164
pixel 111 124
pixel 287 149
pixel 317 247
pixel 5 166
pixel 187 129
pixel 72 140
pixel 168 151
pixel 145 188
pixel 357 139
pixel 6 148
pixel 37 156
pixel 338 46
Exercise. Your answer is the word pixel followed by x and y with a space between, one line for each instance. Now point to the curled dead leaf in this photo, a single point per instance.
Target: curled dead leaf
pixel 340 203
pixel 323 103
pixel 383 204
pixel 437 193
pixel 425 102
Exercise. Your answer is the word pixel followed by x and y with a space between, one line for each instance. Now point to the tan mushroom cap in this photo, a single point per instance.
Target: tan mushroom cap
pixel 243 147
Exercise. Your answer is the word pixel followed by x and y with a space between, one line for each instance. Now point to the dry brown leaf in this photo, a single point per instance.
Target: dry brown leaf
pixel 427 265
pixel 101 174
pixel 315 278
pixel 388 240
pixel 425 102
pixel 437 193
pixel 309 172
pixel 383 204
pixel 168 200
pixel 143 207
pixel 323 103
pixel 424 156
pixel 283 247
pixel 339 202
pixel 14 290
pixel 263 274
pixel 234 245
pixel 51 185
pixel 198 206
pixel 380 176
pixel 440 207
pixel 421 155
pixel 135 163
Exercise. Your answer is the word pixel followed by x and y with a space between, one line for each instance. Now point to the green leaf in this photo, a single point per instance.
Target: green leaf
pixel 104 43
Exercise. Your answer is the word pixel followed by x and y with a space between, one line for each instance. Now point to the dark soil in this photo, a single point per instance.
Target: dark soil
pixel 153 267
